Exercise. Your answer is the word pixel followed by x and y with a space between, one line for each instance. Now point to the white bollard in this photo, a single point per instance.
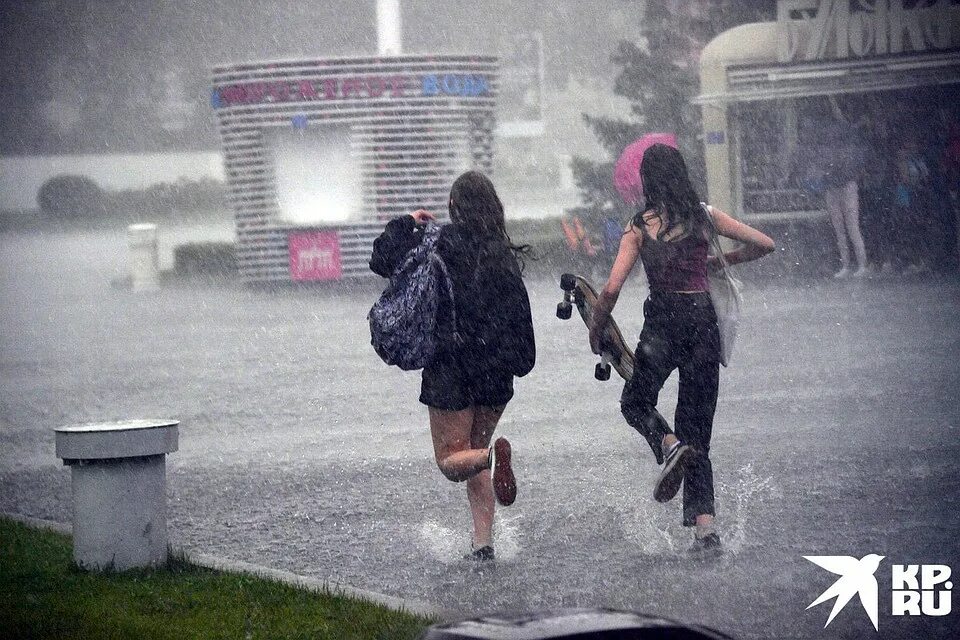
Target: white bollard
pixel 118 474
pixel 144 256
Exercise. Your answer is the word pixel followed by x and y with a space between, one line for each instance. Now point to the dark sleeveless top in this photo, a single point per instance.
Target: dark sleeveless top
pixel 675 265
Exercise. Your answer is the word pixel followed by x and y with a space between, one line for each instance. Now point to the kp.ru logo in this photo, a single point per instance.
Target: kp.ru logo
pixel 918 589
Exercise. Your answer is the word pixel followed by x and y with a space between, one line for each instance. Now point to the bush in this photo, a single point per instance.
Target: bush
pixel 75 197
pixel 166 197
pixel 71 197
pixel 205 258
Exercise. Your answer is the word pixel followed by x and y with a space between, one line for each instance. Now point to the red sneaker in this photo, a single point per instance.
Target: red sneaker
pixel 504 483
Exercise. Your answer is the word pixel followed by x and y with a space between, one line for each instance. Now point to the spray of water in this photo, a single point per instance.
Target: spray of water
pixel 653 529
pixel 506 531
pixel 648 527
pixel 439 541
pixel 746 492
pixel 446 544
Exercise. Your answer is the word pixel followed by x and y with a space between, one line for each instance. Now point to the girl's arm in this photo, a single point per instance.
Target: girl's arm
pixel 756 244
pixel 396 241
pixel 622 266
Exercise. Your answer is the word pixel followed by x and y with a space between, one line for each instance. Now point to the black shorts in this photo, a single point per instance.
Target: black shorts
pixel 445 385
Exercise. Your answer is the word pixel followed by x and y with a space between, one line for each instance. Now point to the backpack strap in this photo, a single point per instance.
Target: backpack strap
pixel 715 236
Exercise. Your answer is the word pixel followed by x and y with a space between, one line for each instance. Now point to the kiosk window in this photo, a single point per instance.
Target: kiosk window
pixel 318 175
pixel 768 134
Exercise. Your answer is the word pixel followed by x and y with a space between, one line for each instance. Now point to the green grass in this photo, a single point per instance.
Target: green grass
pixel 44 595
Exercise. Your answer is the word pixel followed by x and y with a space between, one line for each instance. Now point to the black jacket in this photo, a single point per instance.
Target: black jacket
pixel 492 306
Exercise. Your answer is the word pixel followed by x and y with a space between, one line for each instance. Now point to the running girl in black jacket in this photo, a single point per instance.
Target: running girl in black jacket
pixel 470 381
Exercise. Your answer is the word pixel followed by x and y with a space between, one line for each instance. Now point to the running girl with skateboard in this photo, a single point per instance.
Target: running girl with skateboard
pixel 670 236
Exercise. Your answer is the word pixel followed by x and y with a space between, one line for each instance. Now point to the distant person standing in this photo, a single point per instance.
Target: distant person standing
pixel 611 230
pixel 878 223
pixel 912 206
pixel 671 236
pixel 579 241
pixel 935 145
pixel 951 170
pixel 840 153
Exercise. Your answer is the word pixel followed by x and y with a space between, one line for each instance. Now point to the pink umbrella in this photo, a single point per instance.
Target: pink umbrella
pixel 626 173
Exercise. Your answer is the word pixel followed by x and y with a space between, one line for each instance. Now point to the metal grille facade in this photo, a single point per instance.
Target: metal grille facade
pixel 415 122
pixel 887 73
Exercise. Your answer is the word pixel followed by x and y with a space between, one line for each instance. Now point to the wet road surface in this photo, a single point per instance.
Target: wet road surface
pixel 837 433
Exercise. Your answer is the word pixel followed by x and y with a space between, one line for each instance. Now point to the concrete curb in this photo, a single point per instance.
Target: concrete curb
pixel 235 566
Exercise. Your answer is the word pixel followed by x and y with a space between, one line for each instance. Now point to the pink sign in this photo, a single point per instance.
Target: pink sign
pixel 314 255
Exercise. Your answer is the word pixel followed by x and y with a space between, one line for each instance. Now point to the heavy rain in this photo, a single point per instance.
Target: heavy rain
pixel 241 311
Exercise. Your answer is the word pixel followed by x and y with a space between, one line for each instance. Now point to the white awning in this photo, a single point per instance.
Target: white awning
pixel 751 83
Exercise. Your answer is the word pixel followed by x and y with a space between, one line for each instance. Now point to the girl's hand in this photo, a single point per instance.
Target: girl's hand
pixel 596 334
pixel 422 216
pixel 713 264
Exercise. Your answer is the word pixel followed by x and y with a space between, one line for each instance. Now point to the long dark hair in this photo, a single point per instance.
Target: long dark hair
pixel 474 203
pixel 669 194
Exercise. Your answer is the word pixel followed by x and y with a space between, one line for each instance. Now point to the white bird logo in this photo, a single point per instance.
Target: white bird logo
pixel 856 577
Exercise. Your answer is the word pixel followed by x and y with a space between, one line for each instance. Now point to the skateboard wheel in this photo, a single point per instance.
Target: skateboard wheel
pixel 602 372
pixel 568 282
pixel 564 310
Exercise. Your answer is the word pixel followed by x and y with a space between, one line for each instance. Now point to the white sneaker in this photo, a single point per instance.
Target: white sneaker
pixel 672 475
pixel 843 273
pixel 912 270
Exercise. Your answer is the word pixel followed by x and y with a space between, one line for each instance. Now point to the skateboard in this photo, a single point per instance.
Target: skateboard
pixel 578 291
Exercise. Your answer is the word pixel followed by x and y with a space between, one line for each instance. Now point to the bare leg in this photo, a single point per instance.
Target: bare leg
pixel 850 204
pixel 835 209
pixel 459 460
pixel 479 487
pixel 705 526
pixel 451 431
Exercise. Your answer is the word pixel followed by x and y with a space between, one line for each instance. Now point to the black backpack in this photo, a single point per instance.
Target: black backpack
pixel 404 321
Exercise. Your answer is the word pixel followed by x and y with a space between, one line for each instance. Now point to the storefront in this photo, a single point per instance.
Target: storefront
pixel 892 67
pixel 319 153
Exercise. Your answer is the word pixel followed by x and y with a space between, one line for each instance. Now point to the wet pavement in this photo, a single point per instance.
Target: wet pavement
pixel 837 433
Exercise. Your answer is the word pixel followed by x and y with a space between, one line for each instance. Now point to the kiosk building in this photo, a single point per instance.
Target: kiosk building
pixel 894 65
pixel 318 154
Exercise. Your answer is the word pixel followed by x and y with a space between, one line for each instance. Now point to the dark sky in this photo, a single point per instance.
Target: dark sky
pixel 117 75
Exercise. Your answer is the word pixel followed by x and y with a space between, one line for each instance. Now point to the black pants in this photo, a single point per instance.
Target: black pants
pixel 679 332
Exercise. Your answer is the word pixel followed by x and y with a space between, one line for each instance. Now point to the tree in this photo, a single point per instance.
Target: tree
pixel 659 75
pixel 71 197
